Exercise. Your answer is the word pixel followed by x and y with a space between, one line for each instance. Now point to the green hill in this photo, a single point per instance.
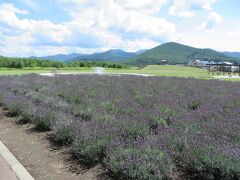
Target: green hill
pixel 232 54
pixel 174 53
pixel 113 55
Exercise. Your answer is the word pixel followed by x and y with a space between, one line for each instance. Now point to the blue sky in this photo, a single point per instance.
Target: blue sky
pixel 41 10
pixel 45 27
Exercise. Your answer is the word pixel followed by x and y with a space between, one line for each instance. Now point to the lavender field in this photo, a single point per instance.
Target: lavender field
pixel 137 127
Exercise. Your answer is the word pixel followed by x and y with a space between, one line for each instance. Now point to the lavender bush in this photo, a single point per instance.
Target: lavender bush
pixel 137 127
pixel 137 159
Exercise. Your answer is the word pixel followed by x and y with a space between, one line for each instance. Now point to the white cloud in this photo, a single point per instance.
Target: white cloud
pixel 95 24
pixel 226 37
pixel 10 8
pixel 122 15
pixel 116 22
pixel 32 4
pixel 98 25
pixel 187 8
pixel 212 20
pixel 18 33
pixel 235 33
pixel 150 5
pixel 47 29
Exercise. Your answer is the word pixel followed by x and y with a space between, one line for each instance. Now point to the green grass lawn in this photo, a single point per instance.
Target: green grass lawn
pixel 7 71
pixel 157 70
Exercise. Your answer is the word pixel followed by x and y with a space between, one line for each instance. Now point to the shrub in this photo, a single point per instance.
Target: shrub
pixel 109 106
pixel 138 163
pixel 167 111
pixel 27 113
pixel 61 105
pixel 159 121
pixel 133 129
pixel 44 118
pixel 193 105
pixel 91 150
pixel 34 96
pixel 1 100
pixel 210 165
pixel 14 109
pixel 196 123
pixel 60 94
pixel 64 129
pixel 74 99
pixel 83 114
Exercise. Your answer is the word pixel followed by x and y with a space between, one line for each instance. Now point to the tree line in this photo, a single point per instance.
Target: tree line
pixel 20 63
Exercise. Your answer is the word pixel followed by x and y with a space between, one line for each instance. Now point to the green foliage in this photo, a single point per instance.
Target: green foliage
pixel 25 118
pixel 159 121
pixel 163 119
pixel 90 150
pixel 84 114
pixel 20 63
pixel 212 166
pixel 194 105
pixel 133 129
pixel 63 130
pixel 60 94
pixel 167 112
pixel 109 106
pixel 1 100
pixel 43 121
pixel 14 109
pixel 96 64
pixel 138 163
pixel 74 99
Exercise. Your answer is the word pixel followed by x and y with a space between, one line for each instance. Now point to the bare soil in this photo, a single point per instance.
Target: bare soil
pixel 42 159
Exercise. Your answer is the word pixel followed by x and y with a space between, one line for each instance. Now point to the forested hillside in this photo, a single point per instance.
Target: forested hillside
pixel 113 55
pixel 174 53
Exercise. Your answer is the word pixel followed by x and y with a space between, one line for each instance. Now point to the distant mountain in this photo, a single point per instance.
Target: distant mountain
pixel 59 57
pixel 232 54
pixel 113 55
pixel 170 53
pixel 175 53
pixel 141 51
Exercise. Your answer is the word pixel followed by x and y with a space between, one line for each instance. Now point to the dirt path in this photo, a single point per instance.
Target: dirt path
pixel 38 155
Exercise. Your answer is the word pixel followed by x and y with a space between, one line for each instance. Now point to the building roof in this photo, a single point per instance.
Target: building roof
pixel 211 62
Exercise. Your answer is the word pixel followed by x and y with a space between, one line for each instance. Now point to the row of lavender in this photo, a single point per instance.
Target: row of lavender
pixel 138 127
